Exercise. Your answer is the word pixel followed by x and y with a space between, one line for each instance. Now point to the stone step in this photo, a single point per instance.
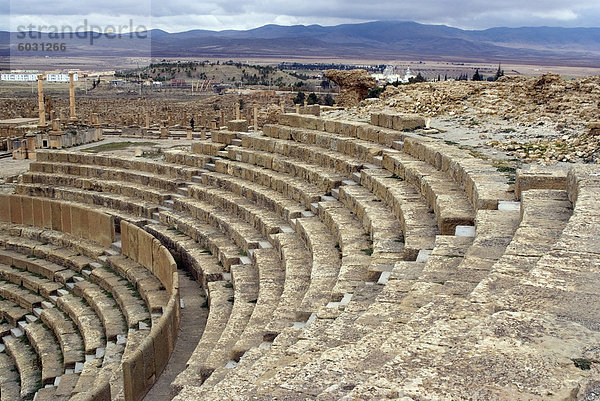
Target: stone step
pixel 25 360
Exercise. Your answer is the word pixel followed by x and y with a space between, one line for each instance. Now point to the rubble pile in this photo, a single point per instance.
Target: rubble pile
pixel 584 147
pixel 354 85
pixel 548 98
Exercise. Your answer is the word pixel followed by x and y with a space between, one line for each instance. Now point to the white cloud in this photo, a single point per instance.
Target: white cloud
pixel 181 15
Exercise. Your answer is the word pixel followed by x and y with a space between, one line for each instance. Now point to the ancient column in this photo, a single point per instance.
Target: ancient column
pixel 237 111
pixel 282 106
pixel 297 109
pixel 72 116
pixel 147 120
pixel 42 109
pixel 189 133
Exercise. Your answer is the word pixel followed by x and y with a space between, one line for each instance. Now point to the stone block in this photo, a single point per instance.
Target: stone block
pixel 160 342
pixel 132 238
pixel 65 216
pixel 375 118
pixel 5 207
pixel 134 381
pixel 102 228
pixel 538 178
pixel 76 221
pixel 407 122
pixel 237 126
pixel 124 226
pixel 27 210
pixel 16 209
pixel 56 215
pixel 38 212
pixel 147 349
pixel 145 249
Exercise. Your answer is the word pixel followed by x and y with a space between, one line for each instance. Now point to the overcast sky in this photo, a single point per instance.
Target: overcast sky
pixel 182 15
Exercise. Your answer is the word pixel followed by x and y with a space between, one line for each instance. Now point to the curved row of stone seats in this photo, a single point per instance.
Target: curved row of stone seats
pixel 244 235
pixel 93 329
pixel 119 165
pixel 268 223
pixel 277 201
pixel 539 303
pixel 544 214
pixel 484 187
pixel 43 341
pixel 133 308
pixel 384 230
pixel 448 201
pixel 107 173
pixel 293 188
pixel 121 207
pixel 444 252
pixel 325 180
pixel 325 267
pixel 201 263
pixel 325 156
pixel 451 206
pixel 185 158
pixel 318 174
pixel 419 226
pixel 10 388
pixel 433 272
pixel 68 302
pixel 363 150
pixel 263 219
pixel 69 351
pixel 26 362
pixel 122 188
pixel 408 296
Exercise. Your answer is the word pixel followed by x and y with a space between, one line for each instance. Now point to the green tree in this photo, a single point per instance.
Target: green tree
pixel 418 78
pixel 299 99
pixel 312 99
pixel 477 76
pixel 499 73
pixel 328 100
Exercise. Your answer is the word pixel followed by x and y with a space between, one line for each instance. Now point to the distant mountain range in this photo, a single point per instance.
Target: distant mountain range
pixel 367 41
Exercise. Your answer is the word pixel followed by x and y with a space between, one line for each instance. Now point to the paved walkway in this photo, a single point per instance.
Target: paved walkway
pixel 193 320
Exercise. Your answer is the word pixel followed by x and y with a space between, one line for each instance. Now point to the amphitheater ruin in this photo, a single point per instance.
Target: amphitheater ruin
pixel 315 258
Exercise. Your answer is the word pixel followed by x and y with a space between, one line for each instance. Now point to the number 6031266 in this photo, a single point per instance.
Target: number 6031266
pixel 44 47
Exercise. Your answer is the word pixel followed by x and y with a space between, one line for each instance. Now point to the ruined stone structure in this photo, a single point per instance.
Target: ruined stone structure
pixel 340 260
pixel 354 84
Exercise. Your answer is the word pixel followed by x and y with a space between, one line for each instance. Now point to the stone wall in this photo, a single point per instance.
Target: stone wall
pixel 146 363
pixel 78 220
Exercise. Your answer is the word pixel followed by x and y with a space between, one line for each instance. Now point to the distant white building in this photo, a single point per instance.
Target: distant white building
pixel 29 77
pixel 389 76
